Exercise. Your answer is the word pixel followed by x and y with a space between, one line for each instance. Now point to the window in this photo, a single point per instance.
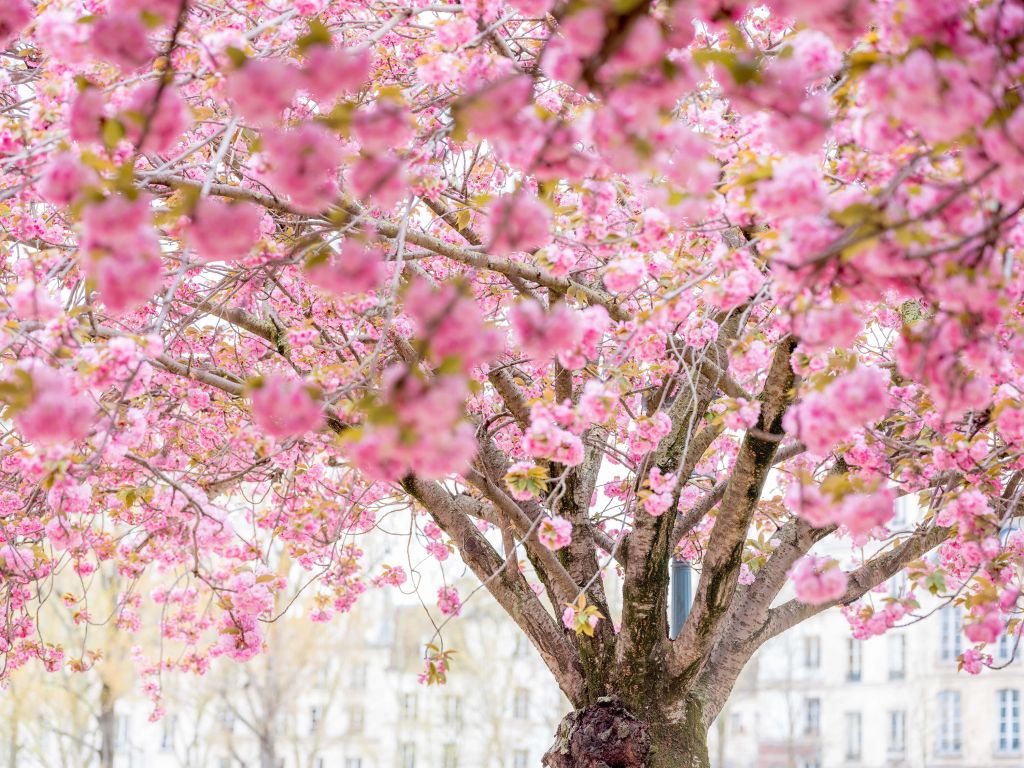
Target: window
pixel 735 723
pixel 452 710
pixel 521 704
pixel 315 715
pixel 357 677
pixel 904 507
pixel 356 719
pixel 812 652
pixel 897 744
pixel 1006 648
pixel 812 717
pixel 451 757
pixel 952 638
pixel 897 657
pixel 353 762
pixel 407 755
pixel 1009 721
pixel 949 723
pixel 854 652
pixel 408 706
pixel 898 584
pixel 853 735
pixel 167 734
pixel 520 759
pixel 227 719
pixel 120 732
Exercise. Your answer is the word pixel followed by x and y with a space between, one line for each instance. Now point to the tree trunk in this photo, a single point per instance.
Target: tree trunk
pixel 107 726
pixel 607 734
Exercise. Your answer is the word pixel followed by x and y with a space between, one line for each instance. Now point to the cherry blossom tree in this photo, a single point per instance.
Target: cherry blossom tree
pixel 577 287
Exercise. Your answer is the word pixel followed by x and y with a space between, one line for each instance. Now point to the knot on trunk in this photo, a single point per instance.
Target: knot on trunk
pixel 602 735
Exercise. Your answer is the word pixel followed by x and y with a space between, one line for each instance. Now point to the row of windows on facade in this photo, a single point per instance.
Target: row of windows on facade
pixel 408 707
pixel 950 648
pixel 407 758
pixel 949 735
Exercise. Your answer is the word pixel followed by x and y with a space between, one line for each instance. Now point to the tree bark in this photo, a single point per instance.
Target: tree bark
pixel 606 734
pixel 108 727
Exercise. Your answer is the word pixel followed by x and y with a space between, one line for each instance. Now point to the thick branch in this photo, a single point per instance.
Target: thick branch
pixel 722 561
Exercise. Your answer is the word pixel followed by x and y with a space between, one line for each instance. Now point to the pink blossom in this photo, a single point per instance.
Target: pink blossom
pixel 383 127
pixel 31 300
pixel 331 72
pixel 861 512
pixel 262 89
pixel 555 532
pixel 120 38
pixel 518 222
pixel 222 231
pixel 448 601
pixel 14 16
pixel 624 275
pixel 657 504
pixel 983 625
pixel 17 562
pixel 58 412
pixel 543 334
pixel 597 402
pixel 163 123
pixel 972 660
pixel 64 179
pixel 569 617
pixel 356 268
pixel 85 115
pixel 818 580
pixel 648 433
pixel 534 9
pixel 823 328
pixel 795 189
pixel 121 252
pixel 283 407
pixel 165 10
pixel 380 178
pixel 743 415
pixel 304 165
pixel 966 508
pixel 391 575
pixel 825 418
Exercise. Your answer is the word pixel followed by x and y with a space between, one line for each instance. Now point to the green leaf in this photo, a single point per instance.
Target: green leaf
pixel 237 56
pixel 318 34
pixel 112 131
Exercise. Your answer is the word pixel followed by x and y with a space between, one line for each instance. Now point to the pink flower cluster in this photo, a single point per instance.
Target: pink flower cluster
pixel 221 231
pixel 120 251
pixel 304 164
pixel 647 433
pixel 14 16
pixel 284 407
pixel 59 412
pixel 659 499
pixel 551 434
pixel 824 418
pixel 448 601
pixel 417 427
pixel 555 532
pixel 818 580
pixel 356 268
pixel 860 513
pixel 572 335
pixel 518 222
